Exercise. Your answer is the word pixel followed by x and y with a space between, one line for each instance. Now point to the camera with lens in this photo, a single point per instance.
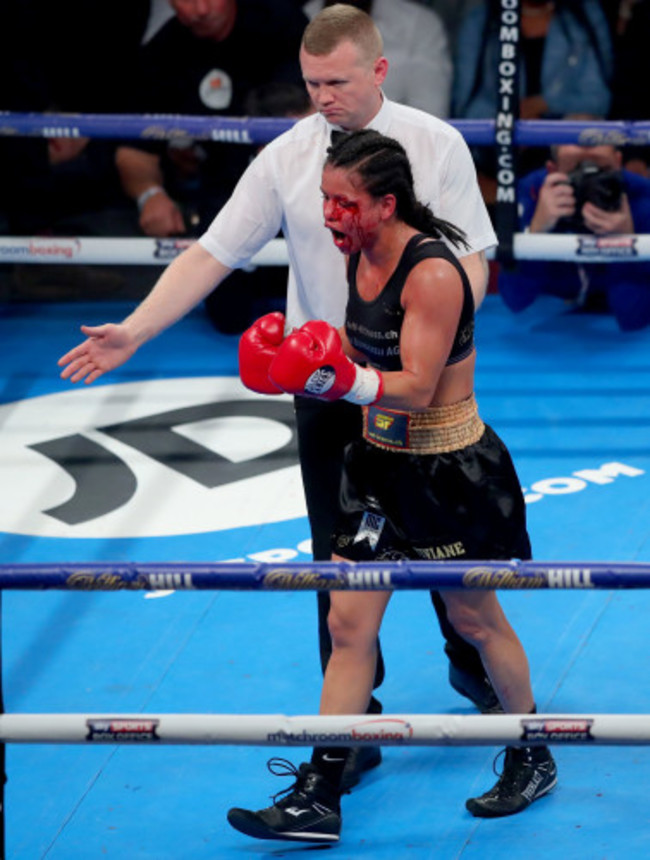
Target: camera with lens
pixel 601 186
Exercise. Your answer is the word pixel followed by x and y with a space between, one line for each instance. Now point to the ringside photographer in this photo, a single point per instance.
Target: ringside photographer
pixel 583 189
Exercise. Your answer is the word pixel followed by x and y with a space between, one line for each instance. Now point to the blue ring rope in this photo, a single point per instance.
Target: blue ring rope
pixel 263 129
pixel 325 576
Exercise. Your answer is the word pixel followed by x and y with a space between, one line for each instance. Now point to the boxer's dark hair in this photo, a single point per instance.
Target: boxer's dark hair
pixel 384 168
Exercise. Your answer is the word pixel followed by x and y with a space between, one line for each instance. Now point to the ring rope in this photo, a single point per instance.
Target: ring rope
pixel 579 248
pixel 351 730
pixel 260 130
pixel 325 576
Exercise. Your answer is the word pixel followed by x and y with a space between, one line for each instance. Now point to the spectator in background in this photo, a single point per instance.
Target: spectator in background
pixel 452 13
pixel 65 185
pixel 583 190
pixel 206 59
pixel 416 47
pixel 566 66
pixel 631 99
pixel 619 14
pixel 160 12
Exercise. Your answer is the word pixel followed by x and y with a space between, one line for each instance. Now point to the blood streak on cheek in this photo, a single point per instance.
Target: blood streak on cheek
pixel 356 226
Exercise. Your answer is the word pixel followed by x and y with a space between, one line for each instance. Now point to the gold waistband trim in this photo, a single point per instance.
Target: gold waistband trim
pixel 436 430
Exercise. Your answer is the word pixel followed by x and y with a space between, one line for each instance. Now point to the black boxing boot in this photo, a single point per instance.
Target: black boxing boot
pixel 528 774
pixel 310 811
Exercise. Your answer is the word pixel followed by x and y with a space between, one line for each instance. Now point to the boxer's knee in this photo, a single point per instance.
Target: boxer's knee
pixel 350 629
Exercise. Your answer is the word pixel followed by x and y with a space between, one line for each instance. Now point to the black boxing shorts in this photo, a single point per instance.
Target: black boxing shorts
pixel 459 504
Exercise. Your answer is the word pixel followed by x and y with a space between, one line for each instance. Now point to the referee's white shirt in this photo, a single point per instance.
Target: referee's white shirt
pixel 280 190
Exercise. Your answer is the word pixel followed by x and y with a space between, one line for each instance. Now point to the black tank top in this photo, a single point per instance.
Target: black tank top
pixel 374 327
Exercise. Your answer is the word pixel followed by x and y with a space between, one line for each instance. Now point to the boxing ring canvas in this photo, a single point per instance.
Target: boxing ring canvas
pixel 570 395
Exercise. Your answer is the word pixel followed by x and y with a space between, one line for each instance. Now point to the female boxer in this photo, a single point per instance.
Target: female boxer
pixel 429 480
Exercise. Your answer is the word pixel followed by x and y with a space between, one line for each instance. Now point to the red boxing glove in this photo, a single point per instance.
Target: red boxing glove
pixel 258 346
pixel 311 362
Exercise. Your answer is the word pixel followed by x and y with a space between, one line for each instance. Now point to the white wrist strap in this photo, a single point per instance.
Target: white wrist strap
pixel 148 194
pixel 366 388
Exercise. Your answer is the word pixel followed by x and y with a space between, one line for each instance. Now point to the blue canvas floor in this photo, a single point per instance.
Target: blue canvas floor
pixel 569 394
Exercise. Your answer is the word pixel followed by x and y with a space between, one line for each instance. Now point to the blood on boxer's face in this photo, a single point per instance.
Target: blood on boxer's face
pixel 351 214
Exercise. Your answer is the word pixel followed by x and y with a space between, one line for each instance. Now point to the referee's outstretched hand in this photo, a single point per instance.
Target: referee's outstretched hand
pixel 105 348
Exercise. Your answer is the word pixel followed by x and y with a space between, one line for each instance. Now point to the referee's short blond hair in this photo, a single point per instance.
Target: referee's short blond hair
pixel 342 23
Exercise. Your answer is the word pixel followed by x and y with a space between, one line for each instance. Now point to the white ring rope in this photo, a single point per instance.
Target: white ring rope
pixel 356 730
pixel 115 251
pixel 579 248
